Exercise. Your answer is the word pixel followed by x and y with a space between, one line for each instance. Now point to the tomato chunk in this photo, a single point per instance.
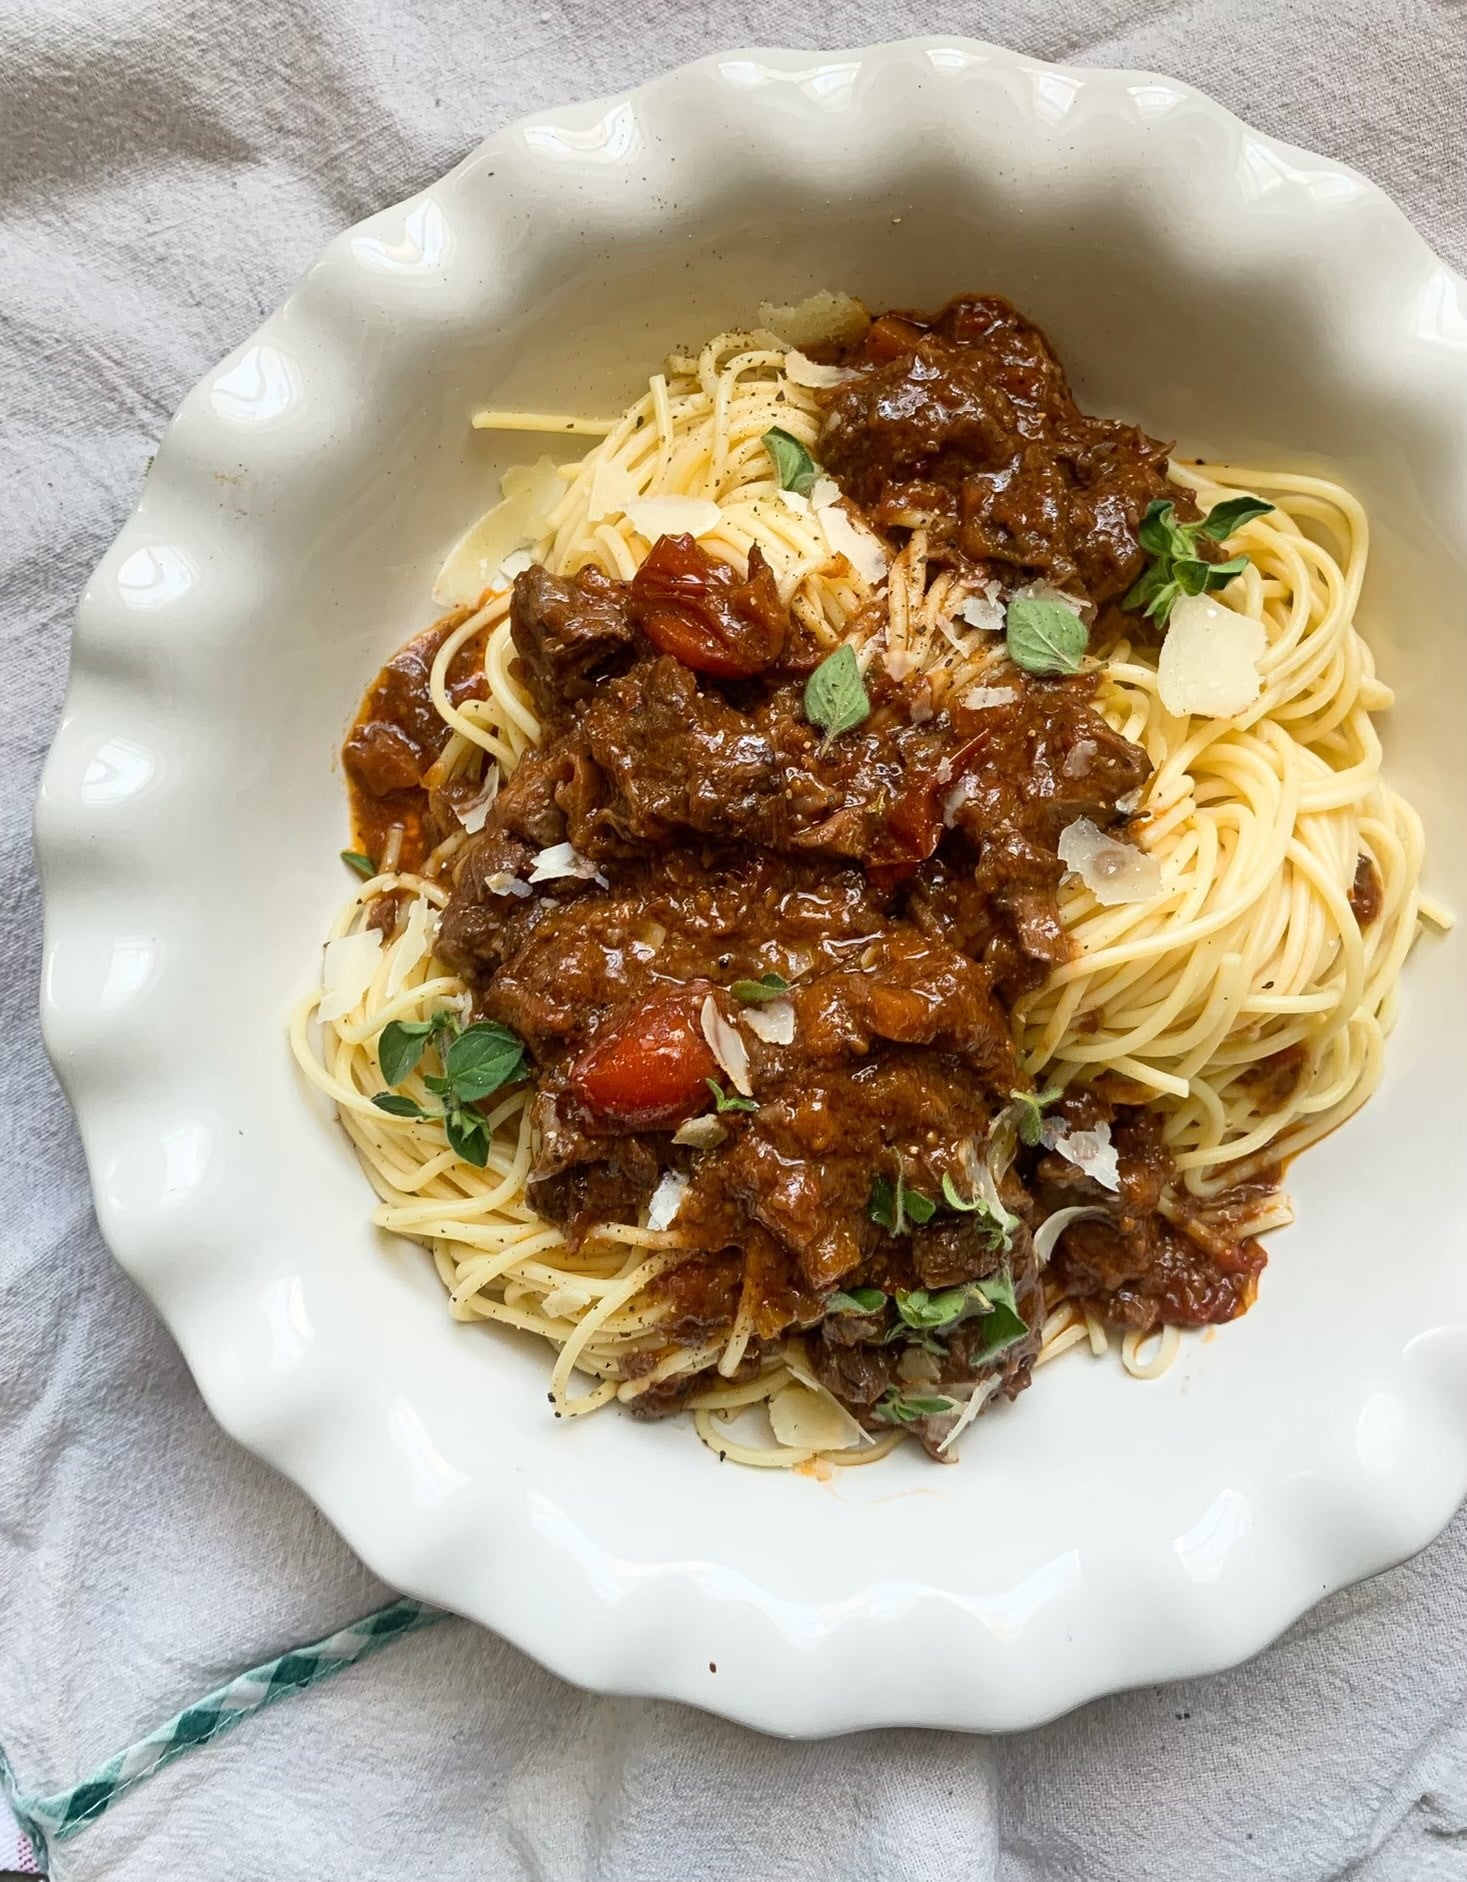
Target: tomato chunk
pixel 703 614
pixel 649 1066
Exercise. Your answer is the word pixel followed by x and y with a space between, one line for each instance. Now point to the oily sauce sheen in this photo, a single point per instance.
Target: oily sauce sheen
pixel 902 879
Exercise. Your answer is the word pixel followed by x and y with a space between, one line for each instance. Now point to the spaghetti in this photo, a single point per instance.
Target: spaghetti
pixel 1245 1002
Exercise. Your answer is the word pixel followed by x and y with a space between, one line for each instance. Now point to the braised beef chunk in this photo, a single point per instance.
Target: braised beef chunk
pixel 966 421
pixel 398 736
pixel 567 633
pixel 1133 1265
pixel 778 967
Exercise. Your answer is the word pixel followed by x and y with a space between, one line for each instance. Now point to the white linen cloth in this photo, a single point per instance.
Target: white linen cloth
pixel 166 171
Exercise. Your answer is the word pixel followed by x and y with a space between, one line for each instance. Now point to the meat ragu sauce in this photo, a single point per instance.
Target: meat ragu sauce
pixel 901 878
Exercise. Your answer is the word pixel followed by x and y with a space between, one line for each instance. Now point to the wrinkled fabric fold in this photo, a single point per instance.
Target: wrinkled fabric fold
pixel 166 171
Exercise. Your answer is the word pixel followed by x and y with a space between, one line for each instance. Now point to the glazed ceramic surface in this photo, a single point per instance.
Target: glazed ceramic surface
pixel 1246 298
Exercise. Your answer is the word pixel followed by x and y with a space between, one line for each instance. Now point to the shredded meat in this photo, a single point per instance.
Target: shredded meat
pixel 895 887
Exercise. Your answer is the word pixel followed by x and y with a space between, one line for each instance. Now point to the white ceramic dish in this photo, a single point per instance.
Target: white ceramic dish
pixel 1196 276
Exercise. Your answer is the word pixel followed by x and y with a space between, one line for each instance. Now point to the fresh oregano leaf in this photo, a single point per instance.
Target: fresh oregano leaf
pixel 924 1310
pixel 1044 636
pixel 835 694
pixel 364 866
pixel 793 464
pixel 897 1409
pixel 1177 569
pixel 756 992
pixel 856 1300
pixel 481 1059
pixel 400 1046
pixel 728 1101
pixel 395 1105
pixel 1224 518
pixel 468 1133
pixel 1029 1108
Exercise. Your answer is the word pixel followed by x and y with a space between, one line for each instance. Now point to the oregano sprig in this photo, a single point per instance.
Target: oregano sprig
pixel 476 1061
pixel 1176 569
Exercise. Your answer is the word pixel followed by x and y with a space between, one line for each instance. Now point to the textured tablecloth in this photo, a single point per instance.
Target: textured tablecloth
pixel 165 173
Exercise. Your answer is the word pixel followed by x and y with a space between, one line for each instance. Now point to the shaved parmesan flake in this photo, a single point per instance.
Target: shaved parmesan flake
pixel 980 698
pixel 672 516
pixel 817 318
pixel 899 662
pixel 473 815
pixel 700 1133
pixel 477 560
pixel 984 611
pixel 561 860
pixel 813 1421
pixel 1090 1151
pixel 511 566
pixel 564 1302
pixel 977 1399
pixel 1046 1236
pixel 847 537
pixel 792 500
pixel 726 1046
pixel 613 487
pixel 1113 872
pixel 1046 591
pixel 501 882
pixel 774 1022
pixel 348 968
pixel 963 792
pixel 667 1199
pixel 412 946
pixel 1131 802
pixel 795 1365
pixel 1209 659
pixel 809 373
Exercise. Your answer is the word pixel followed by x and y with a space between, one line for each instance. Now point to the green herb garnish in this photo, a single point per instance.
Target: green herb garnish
pixel 1003 1324
pixel 364 866
pixel 728 1101
pixel 897 1409
pixel 476 1061
pixel 793 464
pixel 1029 1107
pixel 894 1206
pixel 481 1059
pixel 1176 568
pixel 835 694
pixel 756 992
pixel 402 1043
pixel 857 1300
pixel 997 1224
pixel 1044 636
pixel 924 1310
